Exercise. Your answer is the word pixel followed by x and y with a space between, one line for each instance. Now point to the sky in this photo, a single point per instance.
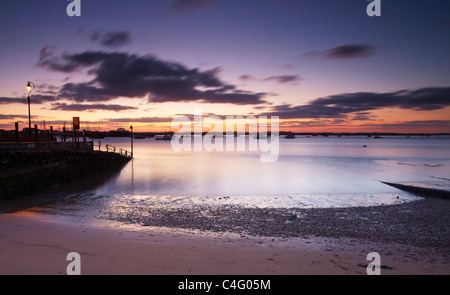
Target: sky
pixel 320 66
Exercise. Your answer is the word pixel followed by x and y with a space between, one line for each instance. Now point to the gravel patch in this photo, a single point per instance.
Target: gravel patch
pixel 424 223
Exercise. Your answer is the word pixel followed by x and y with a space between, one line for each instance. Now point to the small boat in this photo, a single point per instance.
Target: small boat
pixel 290 135
pixel 163 137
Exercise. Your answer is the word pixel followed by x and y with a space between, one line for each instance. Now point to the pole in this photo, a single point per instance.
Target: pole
pixel 131 127
pixel 35 133
pixel 76 139
pixel 17 131
pixel 29 116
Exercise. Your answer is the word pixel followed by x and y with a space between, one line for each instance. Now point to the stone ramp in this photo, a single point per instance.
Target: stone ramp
pixel 427 189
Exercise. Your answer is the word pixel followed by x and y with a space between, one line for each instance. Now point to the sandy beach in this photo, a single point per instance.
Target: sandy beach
pixel 36 243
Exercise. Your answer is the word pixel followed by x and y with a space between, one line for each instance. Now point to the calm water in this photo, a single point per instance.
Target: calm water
pixel 309 172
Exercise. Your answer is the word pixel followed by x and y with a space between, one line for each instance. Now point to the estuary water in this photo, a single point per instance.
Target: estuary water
pixel 310 171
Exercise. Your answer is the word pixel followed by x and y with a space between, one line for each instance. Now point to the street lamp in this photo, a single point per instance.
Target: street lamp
pixel 30 87
pixel 131 131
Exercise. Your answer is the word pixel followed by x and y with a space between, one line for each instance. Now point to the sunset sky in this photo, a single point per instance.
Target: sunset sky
pixel 320 65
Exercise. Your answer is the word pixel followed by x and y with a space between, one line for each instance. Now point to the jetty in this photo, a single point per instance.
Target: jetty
pixel 39 163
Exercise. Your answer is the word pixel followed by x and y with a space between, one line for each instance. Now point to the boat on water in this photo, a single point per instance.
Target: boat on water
pixel 163 137
pixel 290 135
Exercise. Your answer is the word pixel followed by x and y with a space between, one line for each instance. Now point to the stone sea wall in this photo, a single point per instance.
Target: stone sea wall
pixel 30 172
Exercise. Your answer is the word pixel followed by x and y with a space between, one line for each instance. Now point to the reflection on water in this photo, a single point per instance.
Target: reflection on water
pixel 312 165
pixel 310 172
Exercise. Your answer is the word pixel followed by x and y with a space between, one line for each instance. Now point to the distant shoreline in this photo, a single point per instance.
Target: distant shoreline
pixel 114 133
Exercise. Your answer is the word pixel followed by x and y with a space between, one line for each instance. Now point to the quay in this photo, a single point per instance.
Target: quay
pixel 28 168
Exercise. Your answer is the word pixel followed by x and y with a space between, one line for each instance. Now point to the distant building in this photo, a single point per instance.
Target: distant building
pixel 121 129
pixel 27 130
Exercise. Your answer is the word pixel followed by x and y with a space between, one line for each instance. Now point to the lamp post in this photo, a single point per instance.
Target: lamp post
pixel 131 130
pixel 30 87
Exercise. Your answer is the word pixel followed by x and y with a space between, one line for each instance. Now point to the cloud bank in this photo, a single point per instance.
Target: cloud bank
pixel 90 107
pixel 111 38
pixel 119 74
pixel 276 78
pixel 342 105
pixel 349 51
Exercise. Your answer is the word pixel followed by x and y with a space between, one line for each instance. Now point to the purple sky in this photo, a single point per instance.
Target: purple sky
pixel 320 64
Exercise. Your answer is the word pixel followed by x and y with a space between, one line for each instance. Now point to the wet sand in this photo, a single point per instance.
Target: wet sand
pixel 35 243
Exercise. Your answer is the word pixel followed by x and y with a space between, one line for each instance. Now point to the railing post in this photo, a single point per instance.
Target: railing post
pixel 17 131
pixel 35 133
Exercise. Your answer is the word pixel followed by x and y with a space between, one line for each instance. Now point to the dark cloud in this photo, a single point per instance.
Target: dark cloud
pixel 90 107
pixel 111 38
pixel 246 78
pixel 9 100
pixel 412 125
pixel 284 78
pixel 67 62
pixel 362 116
pixel 276 78
pixel 118 74
pixel 400 126
pixel 141 120
pixel 35 99
pixel 340 106
pixel 182 6
pixel 10 117
pixel 349 51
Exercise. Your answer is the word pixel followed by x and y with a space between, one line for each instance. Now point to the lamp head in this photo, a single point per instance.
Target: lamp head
pixel 30 86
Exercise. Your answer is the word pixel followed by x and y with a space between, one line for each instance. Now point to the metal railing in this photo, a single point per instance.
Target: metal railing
pixel 36 139
pixel 122 152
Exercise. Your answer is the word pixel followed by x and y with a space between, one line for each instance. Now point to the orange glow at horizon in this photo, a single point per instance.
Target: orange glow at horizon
pixel 151 119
